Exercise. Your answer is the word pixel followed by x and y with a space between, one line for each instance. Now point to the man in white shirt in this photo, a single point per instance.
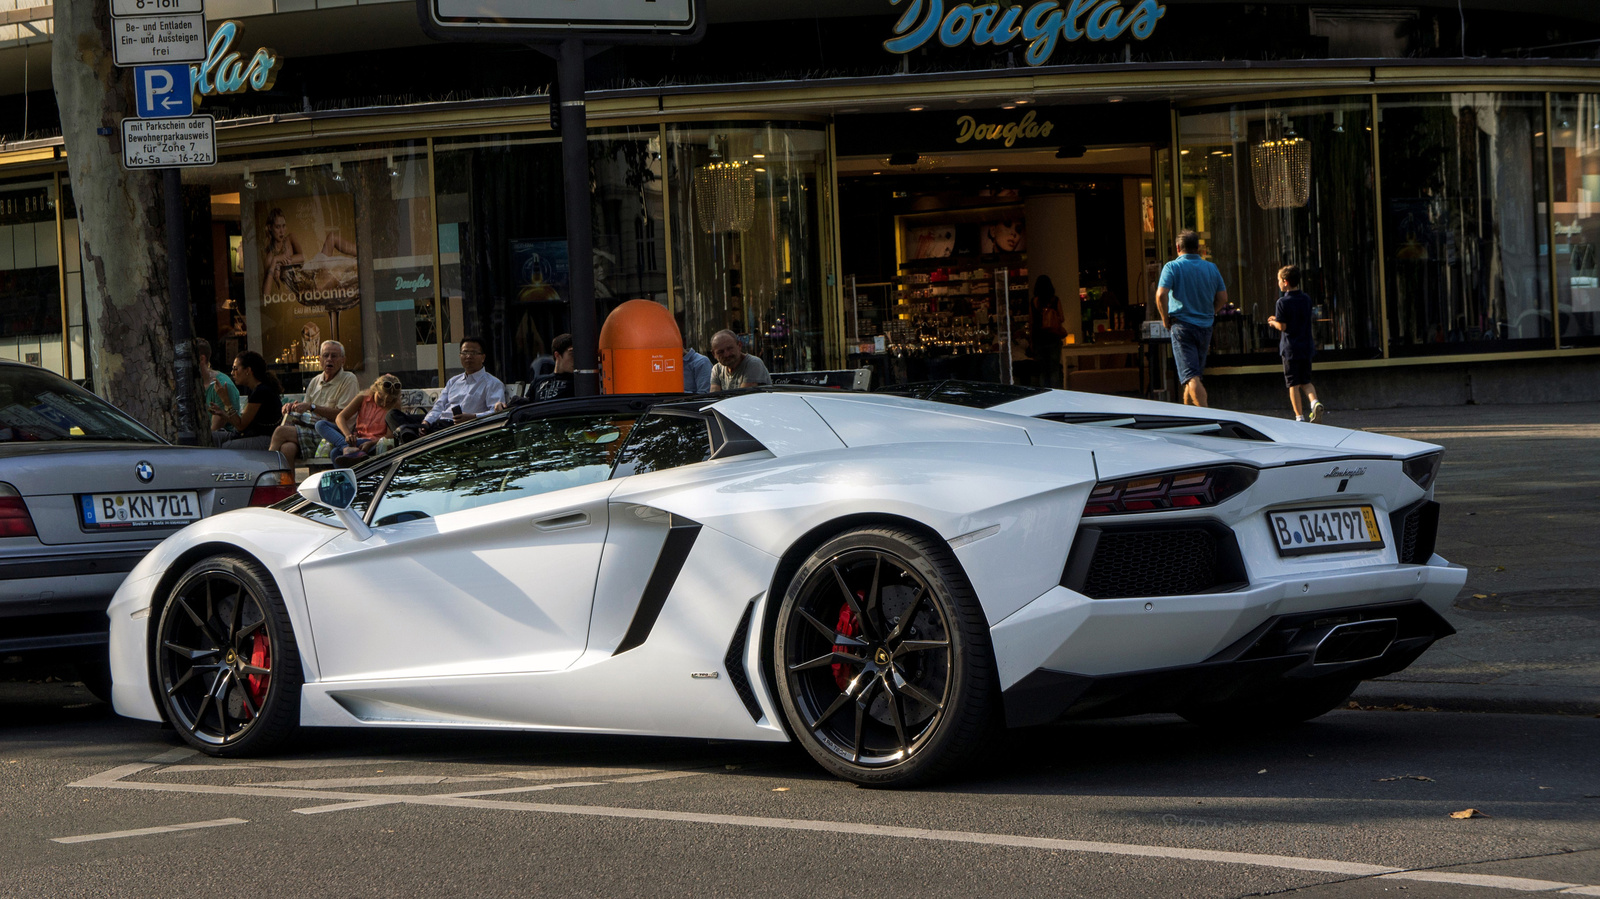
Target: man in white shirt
pixel 326 395
pixel 466 396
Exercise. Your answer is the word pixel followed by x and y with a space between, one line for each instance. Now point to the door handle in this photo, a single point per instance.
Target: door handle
pixel 563 521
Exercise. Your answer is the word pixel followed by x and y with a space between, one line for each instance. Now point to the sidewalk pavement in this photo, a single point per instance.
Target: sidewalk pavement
pixel 1520 508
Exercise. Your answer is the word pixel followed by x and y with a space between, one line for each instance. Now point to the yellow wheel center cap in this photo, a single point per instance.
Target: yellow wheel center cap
pixel 881 656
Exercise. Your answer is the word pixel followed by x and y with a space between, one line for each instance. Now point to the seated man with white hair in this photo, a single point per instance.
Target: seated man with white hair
pixel 326 395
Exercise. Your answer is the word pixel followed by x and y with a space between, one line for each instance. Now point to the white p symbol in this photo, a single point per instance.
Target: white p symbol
pixel 151 91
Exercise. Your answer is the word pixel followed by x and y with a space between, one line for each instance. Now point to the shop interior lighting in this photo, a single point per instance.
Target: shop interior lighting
pixel 393 172
pixel 338 170
pixel 725 197
pixel 1338 121
pixel 916 108
pixel 1009 106
pixel 288 172
pixel 758 156
pixel 994 170
pixel 1115 98
pixel 249 179
pixel 1281 170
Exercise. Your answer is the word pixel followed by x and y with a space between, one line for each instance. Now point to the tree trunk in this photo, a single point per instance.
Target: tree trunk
pixel 120 222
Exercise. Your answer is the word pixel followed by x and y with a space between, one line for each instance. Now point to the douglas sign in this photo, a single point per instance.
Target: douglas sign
pixel 1040 25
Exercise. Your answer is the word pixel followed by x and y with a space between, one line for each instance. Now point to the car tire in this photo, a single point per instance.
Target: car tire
pixel 1287 706
pixel 226 666
pixel 882 659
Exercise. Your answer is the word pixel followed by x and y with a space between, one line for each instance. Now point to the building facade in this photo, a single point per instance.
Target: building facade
pixel 882 184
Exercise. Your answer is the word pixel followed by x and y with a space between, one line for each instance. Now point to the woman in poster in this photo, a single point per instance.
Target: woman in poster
pixel 288 270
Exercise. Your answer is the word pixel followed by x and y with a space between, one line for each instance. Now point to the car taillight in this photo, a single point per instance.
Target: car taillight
pixel 1175 490
pixel 14 518
pixel 271 487
pixel 1423 469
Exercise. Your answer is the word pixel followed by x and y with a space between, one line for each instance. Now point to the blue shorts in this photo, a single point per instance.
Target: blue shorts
pixel 1190 344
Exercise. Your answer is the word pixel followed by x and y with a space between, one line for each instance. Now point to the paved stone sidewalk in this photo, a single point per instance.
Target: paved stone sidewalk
pixel 1520 498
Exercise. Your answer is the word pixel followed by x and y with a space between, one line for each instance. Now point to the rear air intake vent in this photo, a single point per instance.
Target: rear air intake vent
pixel 1415 527
pixel 733 663
pixel 1154 560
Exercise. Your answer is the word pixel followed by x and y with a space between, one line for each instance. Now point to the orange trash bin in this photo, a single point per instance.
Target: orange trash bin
pixel 641 350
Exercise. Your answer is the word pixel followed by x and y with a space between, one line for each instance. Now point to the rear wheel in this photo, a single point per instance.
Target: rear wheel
pixel 1287 706
pixel 882 659
pixel 227 668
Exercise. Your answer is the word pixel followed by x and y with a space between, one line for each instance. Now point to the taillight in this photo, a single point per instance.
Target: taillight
pixel 1175 490
pixel 1423 469
pixel 14 518
pixel 271 487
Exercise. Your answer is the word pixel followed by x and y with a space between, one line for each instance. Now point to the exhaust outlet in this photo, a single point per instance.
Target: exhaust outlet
pixel 1358 641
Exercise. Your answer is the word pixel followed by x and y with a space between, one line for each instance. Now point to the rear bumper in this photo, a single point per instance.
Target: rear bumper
pixel 1305 647
pixel 58 600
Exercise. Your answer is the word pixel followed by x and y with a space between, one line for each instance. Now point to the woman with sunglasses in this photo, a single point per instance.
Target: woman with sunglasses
pixel 359 430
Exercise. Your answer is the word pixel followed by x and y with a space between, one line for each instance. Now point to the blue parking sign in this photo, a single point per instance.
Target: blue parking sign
pixel 163 92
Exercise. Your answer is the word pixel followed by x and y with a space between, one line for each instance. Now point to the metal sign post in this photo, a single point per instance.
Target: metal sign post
pixel 160 38
pixel 542 23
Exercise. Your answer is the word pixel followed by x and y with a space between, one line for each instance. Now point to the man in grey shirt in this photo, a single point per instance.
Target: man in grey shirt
pixel 735 368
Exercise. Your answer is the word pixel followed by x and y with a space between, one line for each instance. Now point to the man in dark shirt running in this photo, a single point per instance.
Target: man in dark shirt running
pixel 1296 345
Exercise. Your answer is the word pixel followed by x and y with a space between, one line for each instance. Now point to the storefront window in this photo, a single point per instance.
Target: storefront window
pixel 1575 119
pixel 1273 184
pixel 747 237
pixel 1463 182
pixel 504 258
pixel 325 245
pixel 30 279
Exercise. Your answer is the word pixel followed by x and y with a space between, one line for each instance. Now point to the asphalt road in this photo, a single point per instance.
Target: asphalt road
pixel 1357 803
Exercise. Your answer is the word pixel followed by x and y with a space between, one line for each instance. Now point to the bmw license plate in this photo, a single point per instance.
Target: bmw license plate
pixel 139 510
pixel 1336 529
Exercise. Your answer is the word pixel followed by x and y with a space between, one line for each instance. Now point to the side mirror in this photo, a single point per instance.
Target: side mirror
pixel 336 489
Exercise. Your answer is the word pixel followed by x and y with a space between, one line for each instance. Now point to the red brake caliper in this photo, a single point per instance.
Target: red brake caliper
pixel 846 627
pixel 260 657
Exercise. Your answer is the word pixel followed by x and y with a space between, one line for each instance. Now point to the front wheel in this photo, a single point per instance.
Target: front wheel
pixel 226 664
pixel 882 659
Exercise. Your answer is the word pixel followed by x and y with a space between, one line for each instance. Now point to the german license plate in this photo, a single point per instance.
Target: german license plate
pixel 139 510
pixel 1335 529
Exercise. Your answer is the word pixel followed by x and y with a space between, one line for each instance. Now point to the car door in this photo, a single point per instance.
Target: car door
pixel 482 560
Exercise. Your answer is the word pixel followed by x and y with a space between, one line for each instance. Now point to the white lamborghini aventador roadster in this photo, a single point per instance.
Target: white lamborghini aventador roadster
pixel 883 579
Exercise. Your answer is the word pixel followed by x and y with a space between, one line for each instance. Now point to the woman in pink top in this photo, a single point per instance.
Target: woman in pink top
pixel 360 430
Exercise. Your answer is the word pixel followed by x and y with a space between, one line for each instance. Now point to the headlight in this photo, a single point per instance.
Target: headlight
pixel 1176 490
pixel 1423 469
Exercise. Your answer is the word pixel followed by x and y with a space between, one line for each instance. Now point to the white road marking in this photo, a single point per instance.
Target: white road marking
pixel 663 775
pixel 339 783
pixel 145 831
pixel 392 799
pixel 112 779
pixel 173 755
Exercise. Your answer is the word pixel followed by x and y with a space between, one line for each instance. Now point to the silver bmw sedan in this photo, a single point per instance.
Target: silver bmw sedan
pixel 85 492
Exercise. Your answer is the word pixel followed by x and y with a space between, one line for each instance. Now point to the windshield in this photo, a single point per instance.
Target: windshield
pixel 38 405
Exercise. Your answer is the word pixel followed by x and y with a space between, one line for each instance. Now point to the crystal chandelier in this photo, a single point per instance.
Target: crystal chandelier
pixel 725 196
pixel 1281 170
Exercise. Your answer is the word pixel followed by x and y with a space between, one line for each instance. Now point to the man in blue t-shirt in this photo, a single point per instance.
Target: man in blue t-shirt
pixel 1188 297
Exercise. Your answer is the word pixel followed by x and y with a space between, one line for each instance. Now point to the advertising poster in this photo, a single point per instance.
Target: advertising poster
pixel 541 269
pixel 310 271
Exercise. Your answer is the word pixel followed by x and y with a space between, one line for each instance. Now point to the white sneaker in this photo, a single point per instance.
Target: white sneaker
pixel 1317 411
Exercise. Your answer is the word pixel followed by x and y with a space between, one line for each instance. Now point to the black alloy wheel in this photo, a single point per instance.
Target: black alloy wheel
pixel 882 659
pixel 227 668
